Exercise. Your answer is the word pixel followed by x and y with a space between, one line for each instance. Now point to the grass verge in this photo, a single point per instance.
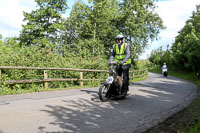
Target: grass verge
pixel 187 120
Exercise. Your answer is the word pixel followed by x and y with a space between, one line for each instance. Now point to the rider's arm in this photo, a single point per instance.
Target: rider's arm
pixel 112 55
pixel 127 53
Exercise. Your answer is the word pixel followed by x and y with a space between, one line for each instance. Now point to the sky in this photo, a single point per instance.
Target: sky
pixel 174 14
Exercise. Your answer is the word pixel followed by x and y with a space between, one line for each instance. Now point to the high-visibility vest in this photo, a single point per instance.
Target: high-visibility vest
pixel 120 54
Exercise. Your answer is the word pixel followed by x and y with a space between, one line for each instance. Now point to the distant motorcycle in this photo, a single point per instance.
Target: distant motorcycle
pixel 165 72
pixel 112 86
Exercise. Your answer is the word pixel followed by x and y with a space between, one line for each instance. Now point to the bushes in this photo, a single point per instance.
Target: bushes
pixel 44 57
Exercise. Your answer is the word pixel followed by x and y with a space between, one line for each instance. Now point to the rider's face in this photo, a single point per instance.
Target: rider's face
pixel 119 41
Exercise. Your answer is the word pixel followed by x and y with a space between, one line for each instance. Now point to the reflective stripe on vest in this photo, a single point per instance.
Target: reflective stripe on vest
pixel 120 54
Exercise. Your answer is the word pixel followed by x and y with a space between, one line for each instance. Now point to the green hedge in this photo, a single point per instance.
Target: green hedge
pixel 43 57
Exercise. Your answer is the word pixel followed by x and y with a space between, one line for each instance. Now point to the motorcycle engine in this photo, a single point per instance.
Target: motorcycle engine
pixel 118 81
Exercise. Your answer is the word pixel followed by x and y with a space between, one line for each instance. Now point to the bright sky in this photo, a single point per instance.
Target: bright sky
pixel 173 12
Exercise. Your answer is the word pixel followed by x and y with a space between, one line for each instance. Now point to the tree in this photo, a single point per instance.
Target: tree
pixel 184 53
pixel 187 43
pixel 156 56
pixel 44 26
pixel 1 37
pixel 94 22
pixel 104 19
pixel 139 23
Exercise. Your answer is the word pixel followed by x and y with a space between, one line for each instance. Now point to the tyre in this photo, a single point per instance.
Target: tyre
pixel 103 93
pixel 165 74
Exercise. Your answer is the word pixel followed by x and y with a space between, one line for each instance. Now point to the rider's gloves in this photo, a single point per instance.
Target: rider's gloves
pixel 108 63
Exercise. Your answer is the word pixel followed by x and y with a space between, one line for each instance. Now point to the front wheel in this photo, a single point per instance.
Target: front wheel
pixel 165 74
pixel 103 93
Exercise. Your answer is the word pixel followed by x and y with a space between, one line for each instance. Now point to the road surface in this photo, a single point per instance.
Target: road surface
pixel 79 110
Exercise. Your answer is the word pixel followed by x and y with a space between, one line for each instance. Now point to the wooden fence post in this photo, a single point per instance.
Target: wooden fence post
pixel 81 77
pixel 45 77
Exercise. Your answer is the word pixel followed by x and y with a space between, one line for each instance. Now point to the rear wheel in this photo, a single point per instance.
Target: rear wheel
pixel 103 93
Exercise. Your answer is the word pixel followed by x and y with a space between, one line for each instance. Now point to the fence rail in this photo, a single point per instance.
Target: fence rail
pixel 133 74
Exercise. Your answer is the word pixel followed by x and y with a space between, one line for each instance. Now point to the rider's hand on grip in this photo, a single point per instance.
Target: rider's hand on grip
pixel 109 64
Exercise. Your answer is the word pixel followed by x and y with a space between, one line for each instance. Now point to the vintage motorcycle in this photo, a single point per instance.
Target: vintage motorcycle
pixel 112 86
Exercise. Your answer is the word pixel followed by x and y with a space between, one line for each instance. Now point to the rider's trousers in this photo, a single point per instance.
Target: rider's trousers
pixel 125 72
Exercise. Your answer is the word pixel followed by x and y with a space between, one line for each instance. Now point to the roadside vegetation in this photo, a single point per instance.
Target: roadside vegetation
pixel 183 61
pixel 32 56
pixel 84 39
pixel 187 120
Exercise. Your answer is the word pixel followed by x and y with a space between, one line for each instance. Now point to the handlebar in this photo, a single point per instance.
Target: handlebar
pixel 114 63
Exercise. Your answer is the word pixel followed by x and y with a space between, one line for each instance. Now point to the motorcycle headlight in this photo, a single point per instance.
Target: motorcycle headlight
pixel 109 80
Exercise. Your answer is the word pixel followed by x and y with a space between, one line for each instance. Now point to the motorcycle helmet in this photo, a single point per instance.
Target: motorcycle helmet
pixel 119 37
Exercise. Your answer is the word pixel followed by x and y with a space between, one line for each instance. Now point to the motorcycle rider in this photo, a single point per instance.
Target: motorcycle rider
pixel 121 53
pixel 164 67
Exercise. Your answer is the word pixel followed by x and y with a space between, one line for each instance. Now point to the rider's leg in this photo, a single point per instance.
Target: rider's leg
pixel 125 80
pixel 119 71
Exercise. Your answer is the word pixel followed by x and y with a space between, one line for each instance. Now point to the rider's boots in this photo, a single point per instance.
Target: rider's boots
pixel 124 92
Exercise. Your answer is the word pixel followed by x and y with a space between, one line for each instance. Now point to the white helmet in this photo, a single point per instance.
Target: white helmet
pixel 164 63
pixel 120 37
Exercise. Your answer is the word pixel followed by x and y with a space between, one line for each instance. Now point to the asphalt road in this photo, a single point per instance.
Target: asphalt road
pixel 79 111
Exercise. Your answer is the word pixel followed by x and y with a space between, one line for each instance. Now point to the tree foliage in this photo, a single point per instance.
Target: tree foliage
pixel 44 26
pixel 96 24
pixel 82 40
pixel 102 20
pixel 184 53
pixel 187 43
pixel 139 23
pixel 1 37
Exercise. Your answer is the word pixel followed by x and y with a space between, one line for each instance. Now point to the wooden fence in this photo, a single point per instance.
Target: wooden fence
pixel 45 80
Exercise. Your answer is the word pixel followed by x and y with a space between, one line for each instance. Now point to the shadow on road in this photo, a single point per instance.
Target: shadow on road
pixel 131 114
pixel 83 116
